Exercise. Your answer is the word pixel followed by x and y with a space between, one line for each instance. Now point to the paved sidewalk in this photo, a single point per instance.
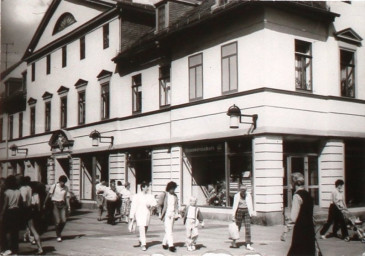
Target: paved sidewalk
pixel 84 235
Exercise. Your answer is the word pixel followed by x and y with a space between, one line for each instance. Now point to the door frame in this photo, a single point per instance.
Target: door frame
pixel 288 171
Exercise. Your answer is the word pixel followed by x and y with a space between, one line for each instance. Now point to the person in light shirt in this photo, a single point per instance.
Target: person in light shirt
pixel 126 200
pixel 192 218
pixel 111 198
pixel 169 205
pixel 60 197
pixel 336 213
pixel 142 205
pixel 100 200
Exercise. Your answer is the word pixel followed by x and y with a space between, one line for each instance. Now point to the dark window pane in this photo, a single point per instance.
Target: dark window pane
pixel 64 56
pixel 105 36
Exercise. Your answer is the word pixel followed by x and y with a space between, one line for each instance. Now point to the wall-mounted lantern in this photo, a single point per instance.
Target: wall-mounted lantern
pixel 236 116
pixel 15 149
pixel 97 138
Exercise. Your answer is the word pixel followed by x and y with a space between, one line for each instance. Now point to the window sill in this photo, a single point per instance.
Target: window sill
pixel 165 106
pixel 229 92
pixel 304 90
pixel 195 99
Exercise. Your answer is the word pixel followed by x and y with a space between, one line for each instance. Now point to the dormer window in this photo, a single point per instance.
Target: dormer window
pixel 66 19
pixel 161 17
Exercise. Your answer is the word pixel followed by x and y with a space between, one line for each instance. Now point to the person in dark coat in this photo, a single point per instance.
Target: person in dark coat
pixel 303 241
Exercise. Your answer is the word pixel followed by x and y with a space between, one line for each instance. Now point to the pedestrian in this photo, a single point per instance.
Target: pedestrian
pixel 142 205
pixel 100 200
pixel 111 198
pixel 60 197
pixel 2 233
pixel 303 240
pixel 126 201
pixel 10 215
pixel 336 213
pixel 26 193
pixel 169 205
pixel 192 218
pixel 242 212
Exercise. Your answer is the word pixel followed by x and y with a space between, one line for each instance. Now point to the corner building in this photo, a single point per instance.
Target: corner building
pixel 160 80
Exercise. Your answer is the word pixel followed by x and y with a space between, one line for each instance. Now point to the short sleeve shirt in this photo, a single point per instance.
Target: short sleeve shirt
pixel 59 194
pixel 14 198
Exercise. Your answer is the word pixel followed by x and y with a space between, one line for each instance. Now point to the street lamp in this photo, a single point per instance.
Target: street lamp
pixel 15 149
pixel 96 138
pixel 236 116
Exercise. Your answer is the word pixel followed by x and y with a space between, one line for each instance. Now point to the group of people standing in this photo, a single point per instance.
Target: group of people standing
pixel 116 200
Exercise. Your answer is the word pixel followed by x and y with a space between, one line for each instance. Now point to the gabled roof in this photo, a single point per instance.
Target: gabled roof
pixel 104 73
pixel 47 16
pixel 349 35
pixel 47 95
pixel 62 89
pixel 32 101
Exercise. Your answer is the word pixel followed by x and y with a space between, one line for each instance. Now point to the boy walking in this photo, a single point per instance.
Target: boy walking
pixel 192 218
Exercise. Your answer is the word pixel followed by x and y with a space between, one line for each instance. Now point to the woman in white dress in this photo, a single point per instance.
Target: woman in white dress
pixel 142 204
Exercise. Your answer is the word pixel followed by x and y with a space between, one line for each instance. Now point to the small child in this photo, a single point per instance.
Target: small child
pixel 192 218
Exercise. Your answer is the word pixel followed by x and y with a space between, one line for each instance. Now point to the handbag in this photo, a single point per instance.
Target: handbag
pixel 234 233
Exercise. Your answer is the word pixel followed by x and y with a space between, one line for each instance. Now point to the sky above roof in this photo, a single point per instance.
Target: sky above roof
pixel 19 21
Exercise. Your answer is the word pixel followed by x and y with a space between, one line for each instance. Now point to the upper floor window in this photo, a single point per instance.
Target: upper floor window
pixel 82 48
pixel 303 65
pixel 347 60
pixel 48 60
pixel 165 86
pixel 137 93
pixel 81 107
pixel 106 36
pixel 196 77
pixel 32 120
pixel 64 112
pixel 66 19
pixel 1 129
pixel 20 124
pixel 33 71
pixel 161 17
pixel 11 127
pixel 105 101
pixel 229 68
pixel 47 118
pixel 64 56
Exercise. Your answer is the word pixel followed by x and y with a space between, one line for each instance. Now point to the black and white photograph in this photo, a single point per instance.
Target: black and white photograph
pixel 182 127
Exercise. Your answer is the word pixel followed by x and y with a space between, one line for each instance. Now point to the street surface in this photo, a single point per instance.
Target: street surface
pixel 84 235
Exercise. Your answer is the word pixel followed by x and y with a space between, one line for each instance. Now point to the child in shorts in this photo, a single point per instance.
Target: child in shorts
pixel 192 218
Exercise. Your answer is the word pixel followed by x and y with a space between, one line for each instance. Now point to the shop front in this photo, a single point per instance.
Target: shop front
pixel 214 171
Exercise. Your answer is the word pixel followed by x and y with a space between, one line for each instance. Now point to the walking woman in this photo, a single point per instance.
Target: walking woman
pixel 60 197
pixel 126 201
pixel 169 204
pixel 242 212
pixel 141 207
pixel 10 215
pixel 303 241
pixel 26 193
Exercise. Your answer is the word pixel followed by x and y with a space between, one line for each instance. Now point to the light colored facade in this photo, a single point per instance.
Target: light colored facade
pixel 307 121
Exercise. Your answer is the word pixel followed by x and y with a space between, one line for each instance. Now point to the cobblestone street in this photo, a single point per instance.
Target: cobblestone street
pixel 84 235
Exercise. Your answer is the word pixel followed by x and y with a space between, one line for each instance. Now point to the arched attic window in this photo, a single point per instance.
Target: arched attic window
pixel 65 20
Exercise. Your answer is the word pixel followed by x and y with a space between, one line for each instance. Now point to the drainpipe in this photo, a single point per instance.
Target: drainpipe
pixel 7 144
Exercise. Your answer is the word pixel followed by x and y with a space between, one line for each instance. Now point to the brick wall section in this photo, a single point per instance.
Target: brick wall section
pixel 331 168
pixel 268 173
pixel 75 176
pixel 166 167
pixel 117 166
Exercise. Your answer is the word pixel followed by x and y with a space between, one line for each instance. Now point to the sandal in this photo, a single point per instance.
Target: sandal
pixel 347 239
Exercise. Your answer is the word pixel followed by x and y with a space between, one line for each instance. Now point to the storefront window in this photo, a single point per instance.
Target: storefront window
pixel 215 171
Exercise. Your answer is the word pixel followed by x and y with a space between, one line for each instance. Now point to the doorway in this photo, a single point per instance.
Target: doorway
pixel 139 168
pixel 306 165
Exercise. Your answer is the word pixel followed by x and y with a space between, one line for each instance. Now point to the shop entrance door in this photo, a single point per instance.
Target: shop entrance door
pixel 139 169
pixel 306 165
